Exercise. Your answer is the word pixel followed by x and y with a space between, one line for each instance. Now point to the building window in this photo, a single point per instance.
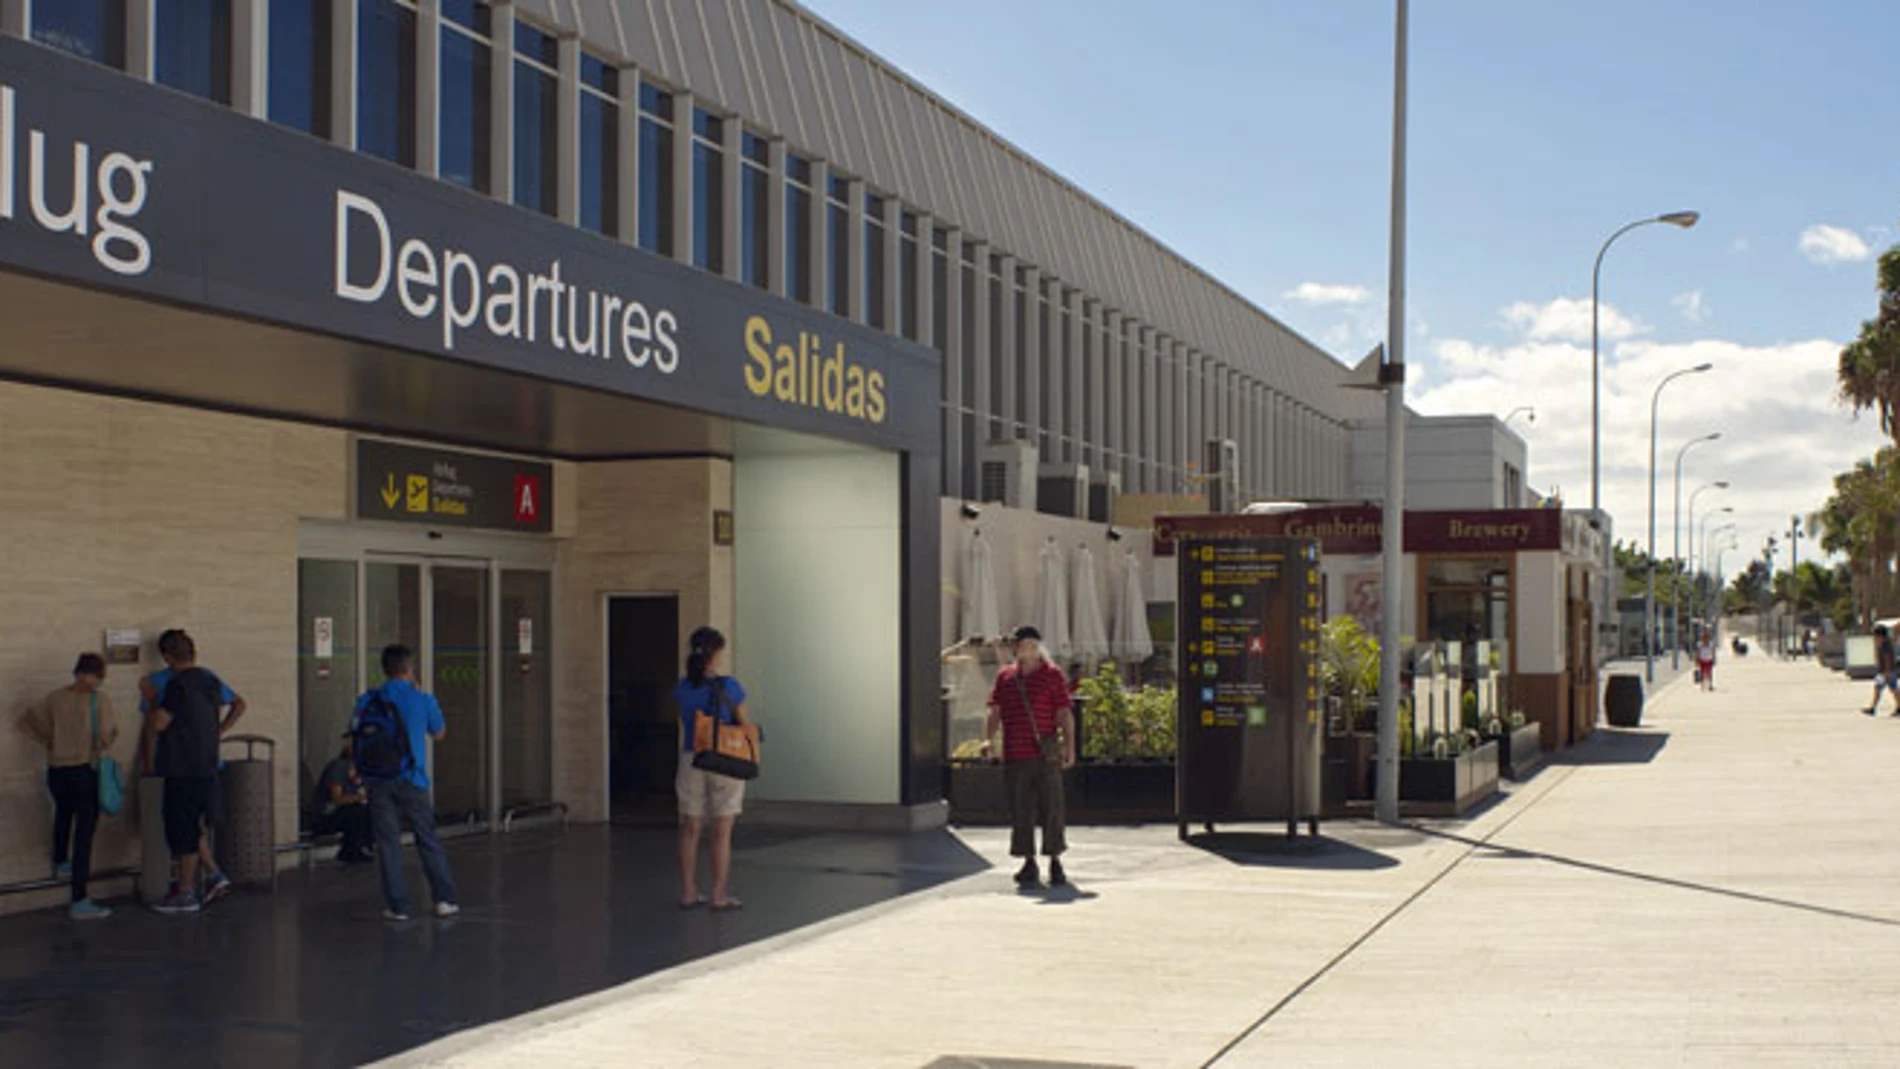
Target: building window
pixel 192 47
pixel 755 186
pixel 874 262
pixel 1468 601
pixel 940 301
pixel 386 80
pixel 909 298
pixel 300 65
pixel 467 105
pixel 798 228
pixel 656 170
pixel 537 152
pixel 89 29
pixel 838 245
pixel 709 188
pixel 600 146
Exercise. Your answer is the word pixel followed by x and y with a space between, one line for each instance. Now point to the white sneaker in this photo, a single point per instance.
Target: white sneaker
pixel 392 915
pixel 445 910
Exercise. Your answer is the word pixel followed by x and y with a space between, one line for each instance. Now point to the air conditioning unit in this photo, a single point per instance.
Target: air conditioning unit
pixel 1063 490
pixel 1008 474
pixel 1222 458
pixel 1103 492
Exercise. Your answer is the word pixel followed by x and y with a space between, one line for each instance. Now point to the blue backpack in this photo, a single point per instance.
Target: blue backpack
pixel 380 739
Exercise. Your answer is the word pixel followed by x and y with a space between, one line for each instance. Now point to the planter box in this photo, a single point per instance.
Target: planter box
pixel 1134 793
pixel 1450 787
pixel 1520 752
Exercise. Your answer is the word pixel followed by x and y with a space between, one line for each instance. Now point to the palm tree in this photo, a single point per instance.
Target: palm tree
pixel 1869 370
pixel 1859 522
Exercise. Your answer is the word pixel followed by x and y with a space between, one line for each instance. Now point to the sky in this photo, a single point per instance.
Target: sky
pixel 1254 138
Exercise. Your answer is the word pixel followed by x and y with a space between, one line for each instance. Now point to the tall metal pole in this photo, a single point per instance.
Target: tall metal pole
pixel 1392 377
pixel 1675 587
pixel 1649 598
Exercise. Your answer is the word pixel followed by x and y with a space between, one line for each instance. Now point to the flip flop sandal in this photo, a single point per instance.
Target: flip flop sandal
pixel 728 906
pixel 694 904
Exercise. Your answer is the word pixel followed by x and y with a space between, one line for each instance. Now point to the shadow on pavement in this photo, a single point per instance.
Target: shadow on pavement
pixel 310 976
pixel 1499 851
pixel 1268 850
pixel 1616 746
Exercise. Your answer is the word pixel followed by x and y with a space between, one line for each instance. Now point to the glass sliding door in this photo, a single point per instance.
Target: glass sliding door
pixel 527 688
pixel 327 665
pixel 459 666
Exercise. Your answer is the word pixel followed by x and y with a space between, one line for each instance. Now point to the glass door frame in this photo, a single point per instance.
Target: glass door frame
pixel 382 543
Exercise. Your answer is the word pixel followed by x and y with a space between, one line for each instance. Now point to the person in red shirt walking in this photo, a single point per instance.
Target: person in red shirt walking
pixel 1030 703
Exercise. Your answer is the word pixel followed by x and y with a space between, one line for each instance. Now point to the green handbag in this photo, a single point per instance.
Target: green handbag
pixel 111 785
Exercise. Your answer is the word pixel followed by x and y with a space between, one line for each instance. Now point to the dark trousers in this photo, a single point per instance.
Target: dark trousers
pixel 390 804
pixel 352 822
pixel 75 817
pixel 1035 796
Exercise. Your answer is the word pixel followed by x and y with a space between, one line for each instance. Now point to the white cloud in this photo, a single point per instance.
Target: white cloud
pixel 1784 436
pixel 1692 306
pixel 1567 319
pixel 1328 293
pixel 1825 244
pixel 1738 245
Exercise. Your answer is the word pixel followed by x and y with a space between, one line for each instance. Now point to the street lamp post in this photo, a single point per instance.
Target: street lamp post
pixel 1392 378
pixel 1649 597
pixel 1675 610
pixel 1529 414
pixel 1695 583
pixel 1685 220
pixel 1708 539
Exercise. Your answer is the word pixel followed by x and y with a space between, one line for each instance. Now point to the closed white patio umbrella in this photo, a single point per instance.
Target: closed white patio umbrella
pixel 1133 643
pixel 980 617
pixel 1090 632
pixel 1052 601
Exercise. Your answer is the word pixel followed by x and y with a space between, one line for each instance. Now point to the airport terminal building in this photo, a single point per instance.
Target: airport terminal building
pixel 537 334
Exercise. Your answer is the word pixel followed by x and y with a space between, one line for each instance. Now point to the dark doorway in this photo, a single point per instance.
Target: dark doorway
pixel 643 663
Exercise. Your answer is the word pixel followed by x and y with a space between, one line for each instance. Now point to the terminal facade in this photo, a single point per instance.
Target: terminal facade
pixel 536 335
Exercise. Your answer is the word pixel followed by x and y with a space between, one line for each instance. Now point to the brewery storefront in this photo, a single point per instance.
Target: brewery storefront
pixel 1506 589
pixel 302 403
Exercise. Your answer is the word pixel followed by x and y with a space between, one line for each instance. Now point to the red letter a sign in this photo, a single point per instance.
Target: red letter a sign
pixel 527 499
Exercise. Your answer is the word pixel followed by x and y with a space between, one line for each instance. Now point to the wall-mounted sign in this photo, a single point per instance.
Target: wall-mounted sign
pixel 524 636
pixel 122 646
pixel 1356 529
pixel 445 488
pixel 323 637
pixel 722 527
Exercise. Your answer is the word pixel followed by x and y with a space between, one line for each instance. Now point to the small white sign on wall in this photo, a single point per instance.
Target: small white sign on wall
pixel 524 635
pixel 323 637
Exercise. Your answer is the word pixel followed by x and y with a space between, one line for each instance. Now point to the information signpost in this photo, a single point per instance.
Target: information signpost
pixel 1249 712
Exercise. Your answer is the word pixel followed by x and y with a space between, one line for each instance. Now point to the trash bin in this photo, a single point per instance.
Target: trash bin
pixel 155 861
pixel 1623 701
pixel 246 834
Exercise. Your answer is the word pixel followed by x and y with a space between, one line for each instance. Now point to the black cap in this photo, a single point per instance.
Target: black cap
pixel 1025 633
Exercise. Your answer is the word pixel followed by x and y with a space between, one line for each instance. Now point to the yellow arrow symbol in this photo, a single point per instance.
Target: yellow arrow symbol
pixel 391 495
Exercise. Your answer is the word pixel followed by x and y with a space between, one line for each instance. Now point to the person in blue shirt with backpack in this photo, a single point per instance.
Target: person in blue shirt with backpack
pixel 390 735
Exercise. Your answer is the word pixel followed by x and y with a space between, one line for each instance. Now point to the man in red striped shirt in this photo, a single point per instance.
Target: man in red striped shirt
pixel 1030 703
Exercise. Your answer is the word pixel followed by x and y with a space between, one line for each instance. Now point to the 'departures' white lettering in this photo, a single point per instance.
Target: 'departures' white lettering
pixel 454 288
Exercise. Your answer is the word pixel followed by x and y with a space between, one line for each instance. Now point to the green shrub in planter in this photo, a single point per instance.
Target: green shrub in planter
pixel 1349 669
pixel 1119 724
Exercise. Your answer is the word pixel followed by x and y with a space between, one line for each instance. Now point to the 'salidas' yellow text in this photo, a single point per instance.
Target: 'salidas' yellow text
pixel 798 372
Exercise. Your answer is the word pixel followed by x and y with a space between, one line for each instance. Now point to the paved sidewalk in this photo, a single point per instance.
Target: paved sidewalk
pixel 1716 889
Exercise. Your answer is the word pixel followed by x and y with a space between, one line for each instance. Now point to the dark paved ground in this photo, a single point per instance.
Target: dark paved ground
pixel 312 977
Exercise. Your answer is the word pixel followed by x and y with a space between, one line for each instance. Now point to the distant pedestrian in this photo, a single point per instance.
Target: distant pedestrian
pixel 1030 704
pixel 391 729
pixel 707 800
pixel 1705 661
pixel 187 726
pixel 77 727
pixel 1885 676
pixel 151 691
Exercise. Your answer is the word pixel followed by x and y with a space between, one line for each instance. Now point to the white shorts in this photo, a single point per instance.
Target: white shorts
pixel 706 795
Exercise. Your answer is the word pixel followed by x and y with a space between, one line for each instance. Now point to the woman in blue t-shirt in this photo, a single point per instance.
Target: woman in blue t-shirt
pixel 705 797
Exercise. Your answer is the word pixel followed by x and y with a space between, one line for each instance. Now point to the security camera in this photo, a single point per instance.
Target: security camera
pixel 971 512
pixel 1114 535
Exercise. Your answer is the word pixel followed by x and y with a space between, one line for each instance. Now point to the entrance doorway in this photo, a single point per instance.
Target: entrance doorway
pixel 643 663
pixel 481 626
